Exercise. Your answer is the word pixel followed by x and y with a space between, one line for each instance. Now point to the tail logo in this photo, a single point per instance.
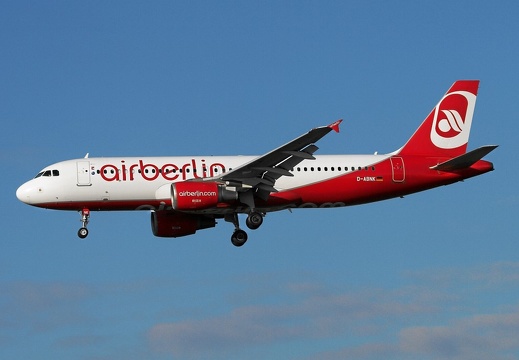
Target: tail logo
pixel 452 120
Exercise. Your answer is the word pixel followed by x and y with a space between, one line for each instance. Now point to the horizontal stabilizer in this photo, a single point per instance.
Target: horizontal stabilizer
pixel 465 160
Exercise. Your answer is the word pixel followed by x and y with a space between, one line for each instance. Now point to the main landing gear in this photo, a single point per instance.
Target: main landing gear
pixel 85 216
pixel 254 221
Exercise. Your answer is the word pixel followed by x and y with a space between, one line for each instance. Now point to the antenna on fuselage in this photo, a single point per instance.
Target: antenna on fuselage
pixel 86 156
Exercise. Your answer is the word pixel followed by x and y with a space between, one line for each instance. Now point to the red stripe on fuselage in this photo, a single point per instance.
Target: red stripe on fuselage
pixel 365 186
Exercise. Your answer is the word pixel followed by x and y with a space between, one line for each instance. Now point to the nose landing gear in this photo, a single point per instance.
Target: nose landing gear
pixel 83 231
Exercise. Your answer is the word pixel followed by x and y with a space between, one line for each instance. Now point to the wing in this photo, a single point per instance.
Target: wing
pixel 258 177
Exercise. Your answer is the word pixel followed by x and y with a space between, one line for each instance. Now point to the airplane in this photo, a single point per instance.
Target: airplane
pixel 190 193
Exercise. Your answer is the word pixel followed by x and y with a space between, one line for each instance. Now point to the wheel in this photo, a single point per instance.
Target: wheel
pixel 254 220
pixel 82 233
pixel 239 237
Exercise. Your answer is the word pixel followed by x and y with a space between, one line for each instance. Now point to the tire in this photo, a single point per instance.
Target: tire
pixel 239 237
pixel 82 233
pixel 254 220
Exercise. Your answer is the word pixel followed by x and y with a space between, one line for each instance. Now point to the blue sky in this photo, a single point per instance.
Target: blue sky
pixel 434 275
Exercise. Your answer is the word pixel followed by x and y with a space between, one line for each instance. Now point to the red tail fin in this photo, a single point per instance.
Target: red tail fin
pixel 445 132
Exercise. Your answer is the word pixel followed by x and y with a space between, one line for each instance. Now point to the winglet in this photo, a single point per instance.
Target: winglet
pixel 335 126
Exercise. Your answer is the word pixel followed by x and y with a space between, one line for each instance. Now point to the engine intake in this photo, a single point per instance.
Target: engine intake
pixel 198 195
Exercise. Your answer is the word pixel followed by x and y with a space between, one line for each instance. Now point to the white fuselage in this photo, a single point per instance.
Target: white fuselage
pixel 141 183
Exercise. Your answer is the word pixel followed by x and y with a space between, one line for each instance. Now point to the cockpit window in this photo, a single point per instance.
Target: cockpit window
pixel 48 173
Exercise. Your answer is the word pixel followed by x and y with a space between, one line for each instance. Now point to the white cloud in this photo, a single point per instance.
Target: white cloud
pixel 38 307
pixel 414 320
pixel 306 319
pixel 490 336
pixel 432 314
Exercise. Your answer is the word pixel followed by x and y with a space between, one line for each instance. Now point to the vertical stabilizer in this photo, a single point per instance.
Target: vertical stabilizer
pixel 445 132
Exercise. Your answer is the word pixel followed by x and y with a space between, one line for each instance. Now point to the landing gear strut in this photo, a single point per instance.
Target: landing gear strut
pixel 239 237
pixel 254 221
pixel 83 231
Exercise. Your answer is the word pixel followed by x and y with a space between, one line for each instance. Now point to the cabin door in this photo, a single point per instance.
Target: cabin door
pixel 83 173
pixel 398 169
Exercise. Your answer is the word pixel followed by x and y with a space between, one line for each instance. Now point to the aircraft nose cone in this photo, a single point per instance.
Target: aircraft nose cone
pixel 23 193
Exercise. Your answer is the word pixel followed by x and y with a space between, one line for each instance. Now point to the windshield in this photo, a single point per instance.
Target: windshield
pixel 47 173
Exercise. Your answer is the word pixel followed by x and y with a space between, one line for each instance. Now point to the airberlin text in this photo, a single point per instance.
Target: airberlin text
pixel 198 193
pixel 150 172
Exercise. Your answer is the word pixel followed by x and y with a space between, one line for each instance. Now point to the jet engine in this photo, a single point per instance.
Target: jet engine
pixel 198 195
pixel 170 224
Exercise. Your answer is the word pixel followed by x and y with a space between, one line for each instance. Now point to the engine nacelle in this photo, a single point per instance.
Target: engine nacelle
pixel 169 224
pixel 198 195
